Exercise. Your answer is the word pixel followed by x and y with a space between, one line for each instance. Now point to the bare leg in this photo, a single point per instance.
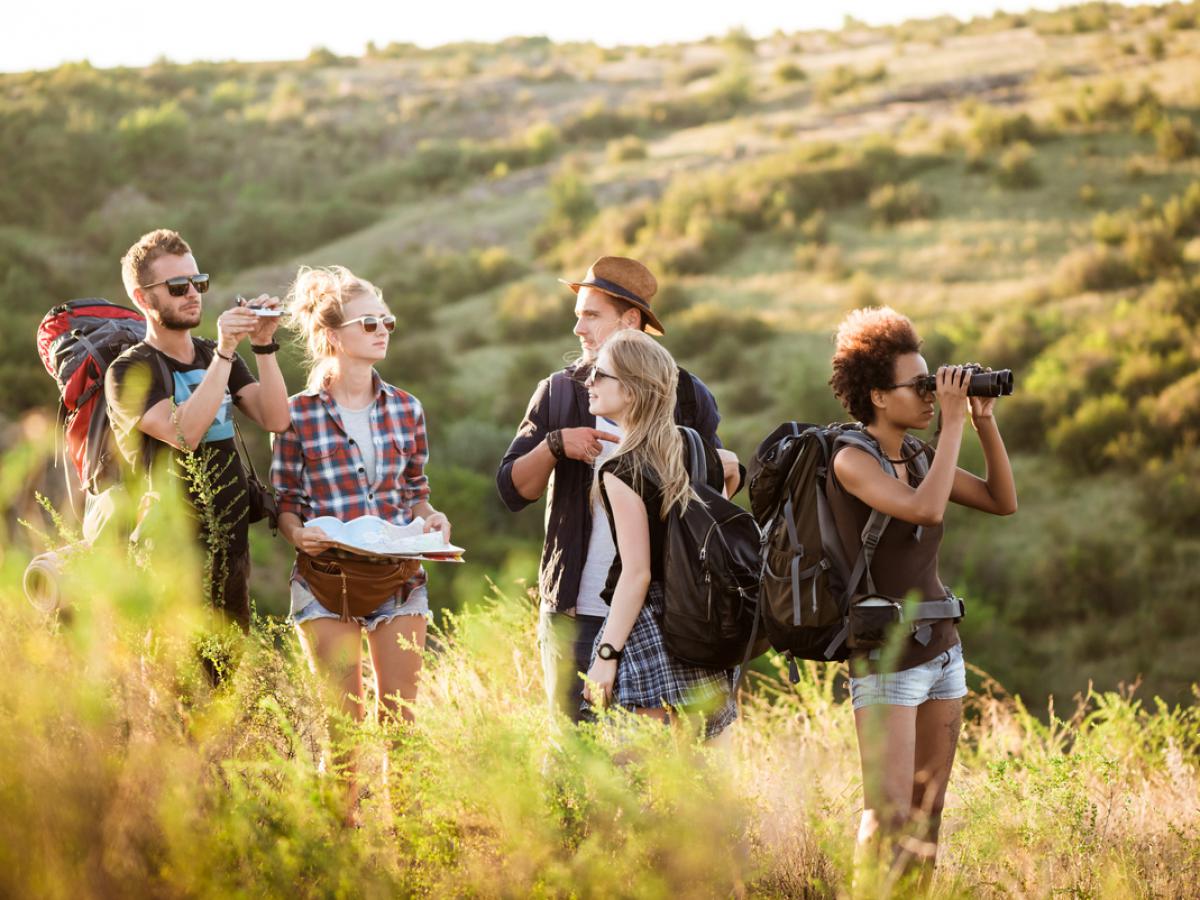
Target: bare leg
pixel 887 748
pixel 938 725
pixel 397 664
pixel 334 648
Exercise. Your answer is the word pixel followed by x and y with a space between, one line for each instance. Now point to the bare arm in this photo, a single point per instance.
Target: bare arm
pixel 184 425
pixel 997 493
pixel 729 465
pixel 633 545
pixel 266 401
pixel 861 474
pixel 531 472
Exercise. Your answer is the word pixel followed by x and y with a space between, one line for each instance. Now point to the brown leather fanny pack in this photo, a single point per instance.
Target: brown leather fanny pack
pixel 354 587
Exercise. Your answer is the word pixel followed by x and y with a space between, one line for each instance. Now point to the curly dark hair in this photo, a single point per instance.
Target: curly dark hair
pixel 868 342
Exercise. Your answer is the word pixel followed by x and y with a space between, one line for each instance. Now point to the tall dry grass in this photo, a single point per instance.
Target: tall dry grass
pixel 126 771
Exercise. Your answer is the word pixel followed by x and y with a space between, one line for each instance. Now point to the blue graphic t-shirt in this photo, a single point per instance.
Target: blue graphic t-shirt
pixel 135 382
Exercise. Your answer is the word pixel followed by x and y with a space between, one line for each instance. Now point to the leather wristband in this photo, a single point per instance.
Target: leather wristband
pixel 227 359
pixel 265 349
pixel 554 441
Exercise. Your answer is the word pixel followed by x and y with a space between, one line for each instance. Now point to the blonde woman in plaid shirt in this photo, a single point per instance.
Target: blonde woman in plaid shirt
pixel 356 447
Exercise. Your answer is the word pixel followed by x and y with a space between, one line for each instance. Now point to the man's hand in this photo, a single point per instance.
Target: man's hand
pixel 233 325
pixel 267 325
pixel 583 444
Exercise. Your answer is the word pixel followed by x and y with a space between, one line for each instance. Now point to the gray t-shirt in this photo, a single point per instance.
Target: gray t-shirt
pixel 358 426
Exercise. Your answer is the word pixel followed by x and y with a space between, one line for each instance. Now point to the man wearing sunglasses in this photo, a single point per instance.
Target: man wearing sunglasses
pixel 557 451
pixel 175 393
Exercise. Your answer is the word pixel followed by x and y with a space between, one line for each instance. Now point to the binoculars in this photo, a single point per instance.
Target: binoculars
pixel 982 384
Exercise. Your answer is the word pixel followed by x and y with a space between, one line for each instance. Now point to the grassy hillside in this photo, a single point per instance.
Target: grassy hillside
pixel 1027 187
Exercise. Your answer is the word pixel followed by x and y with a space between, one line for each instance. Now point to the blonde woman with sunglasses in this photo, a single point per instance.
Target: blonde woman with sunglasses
pixel 633 384
pixel 356 447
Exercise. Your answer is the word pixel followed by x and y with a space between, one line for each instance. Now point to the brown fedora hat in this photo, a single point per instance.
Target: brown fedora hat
pixel 626 279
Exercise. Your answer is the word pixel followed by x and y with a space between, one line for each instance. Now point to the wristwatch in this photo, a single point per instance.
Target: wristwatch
pixel 608 651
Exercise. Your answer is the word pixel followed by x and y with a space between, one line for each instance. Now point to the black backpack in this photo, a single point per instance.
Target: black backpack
pixel 711 572
pixel 808 583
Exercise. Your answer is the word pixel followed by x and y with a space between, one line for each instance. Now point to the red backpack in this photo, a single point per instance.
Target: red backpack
pixel 77 341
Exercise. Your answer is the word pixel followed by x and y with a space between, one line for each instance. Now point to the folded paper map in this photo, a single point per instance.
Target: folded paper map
pixel 372 536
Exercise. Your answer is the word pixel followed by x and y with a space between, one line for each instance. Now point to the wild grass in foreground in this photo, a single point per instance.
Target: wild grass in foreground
pixel 125 771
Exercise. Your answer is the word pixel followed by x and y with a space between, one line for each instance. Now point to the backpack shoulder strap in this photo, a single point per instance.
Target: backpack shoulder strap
pixel 685 393
pixel 697 463
pixel 855 437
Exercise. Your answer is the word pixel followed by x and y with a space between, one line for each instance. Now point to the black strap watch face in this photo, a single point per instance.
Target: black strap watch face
pixel 608 651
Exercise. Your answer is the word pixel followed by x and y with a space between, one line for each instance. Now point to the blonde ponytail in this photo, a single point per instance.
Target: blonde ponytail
pixel 315 304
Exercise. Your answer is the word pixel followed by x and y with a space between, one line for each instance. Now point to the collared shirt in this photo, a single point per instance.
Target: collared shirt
pixel 568 494
pixel 317 469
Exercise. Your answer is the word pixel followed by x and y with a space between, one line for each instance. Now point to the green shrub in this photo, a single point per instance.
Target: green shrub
pixel 1016 169
pixel 992 128
pixel 1112 228
pixel 627 148
pixel 739 41
pixel 598 122
pixel 788 72
pixel 572 206
pixel 842 79
pixel 694 331
pixel 1095 268
pixel 1182 18
pixel 1175 139
pixel 1170 492
pixel 1151 250
pixel 1085 439
pixel 1181 214
pixel 533 311
pixel 154 136
pixel 542 140
pixel 892 203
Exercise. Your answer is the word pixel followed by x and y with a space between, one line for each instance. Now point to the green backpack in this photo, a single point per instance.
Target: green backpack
pixel 808 583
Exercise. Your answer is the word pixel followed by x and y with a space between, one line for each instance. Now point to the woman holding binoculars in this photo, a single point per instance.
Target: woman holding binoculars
pixel 908 709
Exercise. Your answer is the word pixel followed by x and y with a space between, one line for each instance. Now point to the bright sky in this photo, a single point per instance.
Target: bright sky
pixel 39 34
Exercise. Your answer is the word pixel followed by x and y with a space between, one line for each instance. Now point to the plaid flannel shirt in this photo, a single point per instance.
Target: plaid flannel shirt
pixel 317 470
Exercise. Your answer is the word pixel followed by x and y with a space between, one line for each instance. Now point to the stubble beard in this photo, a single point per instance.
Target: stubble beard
pixel 173 320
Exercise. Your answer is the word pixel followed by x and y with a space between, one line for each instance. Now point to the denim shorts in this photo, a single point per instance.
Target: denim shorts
pixel 310 608
pixel 942 678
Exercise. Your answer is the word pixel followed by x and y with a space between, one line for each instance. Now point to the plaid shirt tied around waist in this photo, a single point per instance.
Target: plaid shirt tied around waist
pixel 317 470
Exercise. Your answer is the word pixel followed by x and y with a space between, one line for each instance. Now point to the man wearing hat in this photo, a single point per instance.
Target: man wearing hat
pixel 560 446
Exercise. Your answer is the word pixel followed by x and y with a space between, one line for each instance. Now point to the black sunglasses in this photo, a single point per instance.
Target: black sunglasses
pixel 596 374
pixel 370 323
pixel 924 385
pixel 178 286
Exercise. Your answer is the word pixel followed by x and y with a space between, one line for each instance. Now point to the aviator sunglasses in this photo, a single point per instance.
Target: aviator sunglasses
pixel 178 286
pixel 371 323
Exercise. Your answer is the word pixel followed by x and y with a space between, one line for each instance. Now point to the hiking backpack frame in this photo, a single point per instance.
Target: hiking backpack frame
pixel 808 583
